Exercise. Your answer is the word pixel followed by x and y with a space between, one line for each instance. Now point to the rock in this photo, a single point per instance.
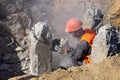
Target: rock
pixel 19 49
pixel 105 44
pixel 11 8
pixel 19 5
pixel 16 20
pixel 33 55
pixel 92 17
pixel 15 45
pixel 16 26
pixel 3 13
pixel 99 50
pixel 40 52
pixel 5 66
pixel 25 64
pixel 10 64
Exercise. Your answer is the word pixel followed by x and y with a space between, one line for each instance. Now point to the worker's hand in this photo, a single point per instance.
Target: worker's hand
pixel 64 42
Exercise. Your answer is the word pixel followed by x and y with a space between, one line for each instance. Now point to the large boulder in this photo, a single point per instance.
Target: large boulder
pixel 92 18
pixel 106 43
pixel 99 50
pixel 40 49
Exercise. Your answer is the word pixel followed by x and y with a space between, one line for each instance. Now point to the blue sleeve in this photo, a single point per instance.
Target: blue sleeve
pixel 82 50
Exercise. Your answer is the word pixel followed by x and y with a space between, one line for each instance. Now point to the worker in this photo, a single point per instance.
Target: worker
pixel 85 39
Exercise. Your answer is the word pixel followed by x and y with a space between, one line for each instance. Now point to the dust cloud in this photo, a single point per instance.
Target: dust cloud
pixel 57 13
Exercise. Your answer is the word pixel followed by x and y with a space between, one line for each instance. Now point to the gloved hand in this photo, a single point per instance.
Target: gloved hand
pixel 64 42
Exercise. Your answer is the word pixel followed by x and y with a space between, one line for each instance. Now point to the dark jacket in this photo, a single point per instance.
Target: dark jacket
pixel 84 46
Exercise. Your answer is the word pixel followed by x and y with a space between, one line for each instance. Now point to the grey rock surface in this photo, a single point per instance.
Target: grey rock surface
pixel 105 44
pixel 15 24
pixel 40 52
pixel 99 47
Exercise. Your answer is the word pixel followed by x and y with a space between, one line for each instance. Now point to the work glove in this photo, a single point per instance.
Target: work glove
pixel 64 42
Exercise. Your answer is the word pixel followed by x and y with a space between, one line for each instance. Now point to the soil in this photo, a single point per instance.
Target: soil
pixel 113 14
pixel 108 69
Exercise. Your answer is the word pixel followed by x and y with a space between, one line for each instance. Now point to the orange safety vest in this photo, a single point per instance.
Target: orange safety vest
pixel 88 36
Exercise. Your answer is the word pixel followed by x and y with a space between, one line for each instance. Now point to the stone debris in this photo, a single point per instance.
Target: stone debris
pixel 106 43
pixel 16 24
pixel 40 52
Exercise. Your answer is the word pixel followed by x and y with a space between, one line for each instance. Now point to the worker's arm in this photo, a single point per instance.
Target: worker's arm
pixel 82 50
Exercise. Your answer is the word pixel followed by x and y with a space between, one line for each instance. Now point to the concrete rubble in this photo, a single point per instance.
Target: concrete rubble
pixel 105 43
pixel 40 49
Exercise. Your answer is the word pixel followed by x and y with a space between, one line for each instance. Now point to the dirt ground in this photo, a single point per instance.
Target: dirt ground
pixel 108 69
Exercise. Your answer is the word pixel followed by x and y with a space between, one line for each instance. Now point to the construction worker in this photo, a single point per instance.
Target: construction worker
pixel 85 39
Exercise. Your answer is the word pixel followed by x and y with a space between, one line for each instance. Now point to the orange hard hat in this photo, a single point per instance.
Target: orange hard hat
pixel 73 25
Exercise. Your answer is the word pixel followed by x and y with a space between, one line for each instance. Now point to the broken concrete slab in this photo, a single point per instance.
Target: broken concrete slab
pixel 105 44
pixel 40 52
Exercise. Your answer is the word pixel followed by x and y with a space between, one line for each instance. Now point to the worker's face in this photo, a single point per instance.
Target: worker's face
pixel 77 34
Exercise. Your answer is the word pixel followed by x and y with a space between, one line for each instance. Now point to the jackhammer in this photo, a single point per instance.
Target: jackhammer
pixel 61 45
pixel 63 48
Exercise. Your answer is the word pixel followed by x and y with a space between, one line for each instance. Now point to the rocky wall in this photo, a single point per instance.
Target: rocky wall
pixel 16 22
